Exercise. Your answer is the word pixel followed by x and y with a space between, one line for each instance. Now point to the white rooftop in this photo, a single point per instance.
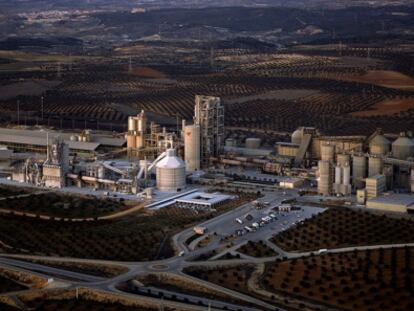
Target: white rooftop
pixel 203 198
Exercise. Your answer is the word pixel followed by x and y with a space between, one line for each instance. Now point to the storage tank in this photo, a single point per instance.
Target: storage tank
pixel 253 143
pixel 170 172
pixel 375 165
pixel 359 167
pixel 403 147
pixel 230 142
pixel 327 152
pixel 346 176
pixel 140 140
pixel 379 145
pixel 192 147
pixel 297 137
pixel 132 124
pixel 73 138
pixel 325 180
pixel 342 159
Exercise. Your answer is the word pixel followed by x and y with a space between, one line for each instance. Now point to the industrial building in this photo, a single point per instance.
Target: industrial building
pixel 209 115
pixel 392 203
pixel 84 143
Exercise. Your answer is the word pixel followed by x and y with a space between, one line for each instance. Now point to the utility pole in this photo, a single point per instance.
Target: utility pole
pixel 18 112
pixel 41 105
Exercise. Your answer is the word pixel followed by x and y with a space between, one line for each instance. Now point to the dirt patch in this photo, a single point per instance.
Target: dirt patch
pixel 147 72
pixel 387 107
pixel 386 78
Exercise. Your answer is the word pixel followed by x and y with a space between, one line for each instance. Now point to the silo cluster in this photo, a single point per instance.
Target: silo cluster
pixel 342 183
pixel 137 127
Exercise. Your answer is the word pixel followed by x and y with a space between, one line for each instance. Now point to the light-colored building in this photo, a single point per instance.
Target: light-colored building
pixel 192 147
pixel 291 183
pixel 170 173
pixel 287 149
pixel 375 186
pixel 394 203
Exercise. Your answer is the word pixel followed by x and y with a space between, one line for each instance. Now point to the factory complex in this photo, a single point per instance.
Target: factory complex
pixel 150 161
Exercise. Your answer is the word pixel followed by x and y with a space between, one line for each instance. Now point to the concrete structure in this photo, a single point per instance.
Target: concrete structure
pixel 202 200
pixel 287 149
pixel 375 165
pixel 327 152
pixel 343 159
pixel 192 147
pixel 137 129
pixel 209 115
pixel 375 186
pixel 403 147
pixel 325 178
pixel 393 203
pixel 170 173
pixel 56 165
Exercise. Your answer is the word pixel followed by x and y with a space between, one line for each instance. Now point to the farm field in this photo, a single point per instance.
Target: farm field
pixel 363 280
pixel 259 250
pixel 6 191
pixel 65 206
pixel 388 108
pixel 142 237
pixel 386 78
pixel 342 227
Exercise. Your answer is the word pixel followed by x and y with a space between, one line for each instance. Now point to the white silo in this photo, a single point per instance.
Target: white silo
pixel 338 174
pixel 170 173
pixel 342 159
pixel 132 124
pixel 192 147
pixel 346 175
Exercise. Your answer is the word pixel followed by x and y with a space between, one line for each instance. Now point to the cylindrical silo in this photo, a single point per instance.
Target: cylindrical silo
pixel 375 165
pixel 140 140
pixel 338 178
pixel 192 147
pixel 346 175
pixel 325 180
pixel 132 124
pixel 342 159
pixel 170 172
pixel 253 143
pixel 379 145
pixel 403 148
pixel 101 172
pixel 327 152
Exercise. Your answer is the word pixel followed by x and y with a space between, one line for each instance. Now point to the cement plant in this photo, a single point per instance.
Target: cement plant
pixel 179 155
